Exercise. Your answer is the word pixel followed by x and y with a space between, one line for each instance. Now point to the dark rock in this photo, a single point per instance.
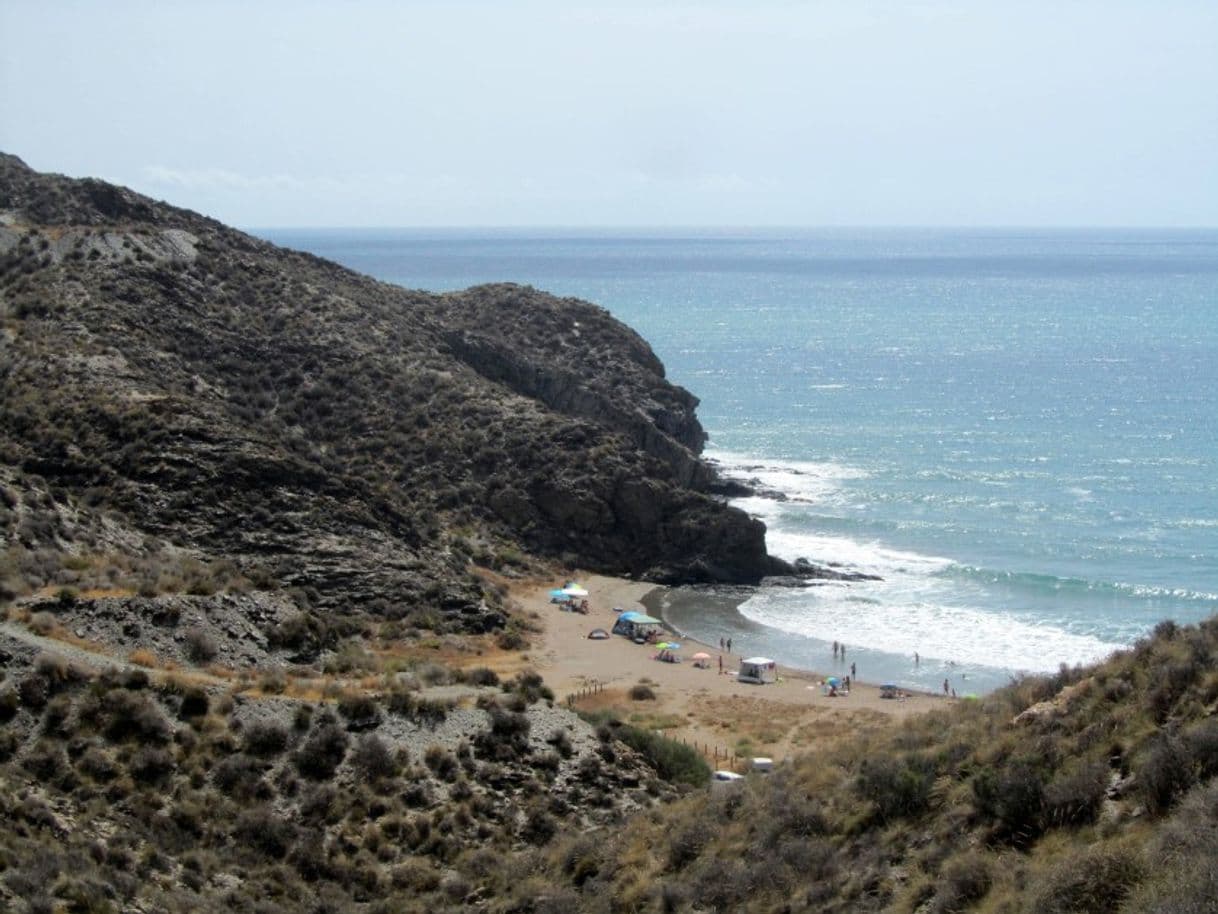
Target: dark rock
pixel 267 407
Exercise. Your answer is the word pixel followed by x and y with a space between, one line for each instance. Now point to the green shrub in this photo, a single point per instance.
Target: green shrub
pixel 1166 770
pixel 1094 879
pixel 1013 795
pixel 507 738
pixel 511 639
pixel 1202 742
pixel 963 880
pixel 687 841
pixel 240 777
pixel 265 738
pixel 323 751
pixel 442 762
pixel 372 759
pixel 539 826
pixel 896 786
pixel 151 764
pixel 361 711
pixel 561 741
pixel 133 715
pixel 98 764
pixel 45 761
pixel 641 692
pixel 529 686
pixel 199 645
pixel 34 691
pixel 9 743
pixel 9 704
pixel 1074 796
pixel 481 676
pixel 194 703
pixel 672 761
pixel 265 831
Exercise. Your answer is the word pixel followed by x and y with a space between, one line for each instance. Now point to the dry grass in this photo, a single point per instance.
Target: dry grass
pixel 143 657
pixel 102 593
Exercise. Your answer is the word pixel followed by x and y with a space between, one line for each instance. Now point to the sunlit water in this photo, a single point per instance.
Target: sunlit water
pixel 1017 430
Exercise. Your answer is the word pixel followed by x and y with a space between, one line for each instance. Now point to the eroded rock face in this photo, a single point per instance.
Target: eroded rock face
pixel 166 375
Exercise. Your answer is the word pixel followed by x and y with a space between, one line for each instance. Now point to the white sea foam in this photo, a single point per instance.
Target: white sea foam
pixel 925 603
pixel 870 557
pixel 799 480
pixel 806 483
pixel 885 616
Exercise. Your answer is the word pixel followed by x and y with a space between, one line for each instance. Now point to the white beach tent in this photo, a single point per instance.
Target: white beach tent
pixel 758 670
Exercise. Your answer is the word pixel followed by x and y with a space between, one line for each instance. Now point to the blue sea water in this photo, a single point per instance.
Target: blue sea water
pixel 1016 429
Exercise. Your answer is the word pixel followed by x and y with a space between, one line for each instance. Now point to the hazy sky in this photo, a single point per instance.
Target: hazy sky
pixel 290 112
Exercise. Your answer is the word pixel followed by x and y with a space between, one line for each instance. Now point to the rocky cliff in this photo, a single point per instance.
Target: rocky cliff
pixel 176 395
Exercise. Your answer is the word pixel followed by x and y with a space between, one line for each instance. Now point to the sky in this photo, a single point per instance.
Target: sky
pixel 278 113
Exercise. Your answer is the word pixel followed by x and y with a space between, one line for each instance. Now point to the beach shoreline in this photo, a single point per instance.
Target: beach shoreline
pixel 705 707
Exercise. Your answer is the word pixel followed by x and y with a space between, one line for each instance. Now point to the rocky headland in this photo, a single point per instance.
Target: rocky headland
pixel 176 393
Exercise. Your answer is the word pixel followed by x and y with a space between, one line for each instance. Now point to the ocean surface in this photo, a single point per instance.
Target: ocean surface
pixel 1017 429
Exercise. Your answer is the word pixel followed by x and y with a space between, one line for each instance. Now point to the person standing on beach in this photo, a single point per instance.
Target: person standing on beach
pixel 729 645
pixel 853 671
pixel 835 649
pixel 917 659
pixel 721 661
pixel 946 690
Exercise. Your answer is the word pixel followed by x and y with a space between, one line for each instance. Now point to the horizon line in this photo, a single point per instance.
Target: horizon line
pixel 728 227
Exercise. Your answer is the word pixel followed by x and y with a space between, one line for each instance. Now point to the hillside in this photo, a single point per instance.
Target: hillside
pixel 261 521
pixel 187 408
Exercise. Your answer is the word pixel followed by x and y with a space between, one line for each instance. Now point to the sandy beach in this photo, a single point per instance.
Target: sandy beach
pixel 701 706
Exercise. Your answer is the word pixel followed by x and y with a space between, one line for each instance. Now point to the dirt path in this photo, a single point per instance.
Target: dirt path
pixel 95 657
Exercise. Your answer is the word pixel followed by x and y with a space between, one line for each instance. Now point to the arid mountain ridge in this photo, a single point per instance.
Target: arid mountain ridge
pixel 173 390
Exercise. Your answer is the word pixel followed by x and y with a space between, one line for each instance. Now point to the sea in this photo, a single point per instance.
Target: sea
pixel 1016 430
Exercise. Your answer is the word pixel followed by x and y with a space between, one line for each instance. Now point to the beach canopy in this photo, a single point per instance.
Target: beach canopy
pixel 640 619
pixel 758 670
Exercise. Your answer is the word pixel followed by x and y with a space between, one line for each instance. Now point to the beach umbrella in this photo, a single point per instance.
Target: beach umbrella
pixel 574 590
pixel 833 681
pixel 663 644
pixel 702 655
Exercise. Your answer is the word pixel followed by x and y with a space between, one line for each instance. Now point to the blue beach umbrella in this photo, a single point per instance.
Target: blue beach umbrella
pixel 559 595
